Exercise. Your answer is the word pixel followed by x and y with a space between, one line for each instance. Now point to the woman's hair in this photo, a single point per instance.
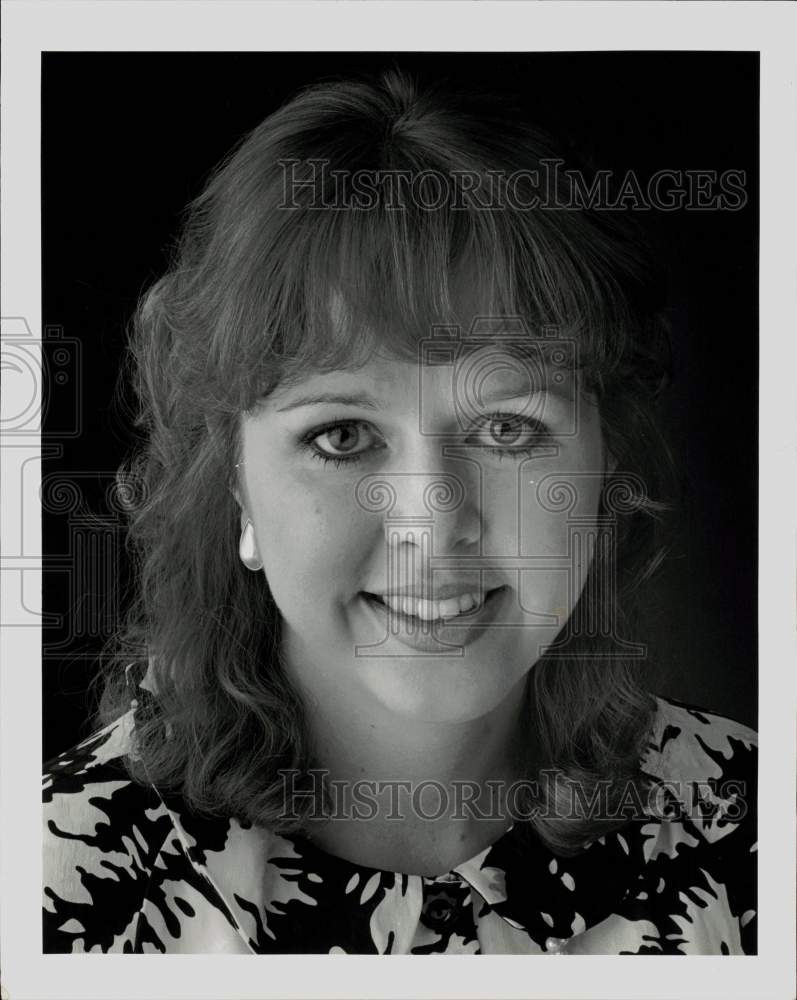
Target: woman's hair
pixel 323 235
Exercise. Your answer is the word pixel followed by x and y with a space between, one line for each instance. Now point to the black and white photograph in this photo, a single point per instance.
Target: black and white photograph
pixel 394 440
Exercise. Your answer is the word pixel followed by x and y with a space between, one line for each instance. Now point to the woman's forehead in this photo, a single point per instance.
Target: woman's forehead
pixel 486 369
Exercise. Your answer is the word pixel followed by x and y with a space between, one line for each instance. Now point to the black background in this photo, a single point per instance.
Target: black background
pixel 127 140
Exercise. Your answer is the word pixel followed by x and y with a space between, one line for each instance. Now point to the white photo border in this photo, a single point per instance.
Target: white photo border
pixel 34 27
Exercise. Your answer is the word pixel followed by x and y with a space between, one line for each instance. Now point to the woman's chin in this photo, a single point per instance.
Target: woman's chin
pixel 449 690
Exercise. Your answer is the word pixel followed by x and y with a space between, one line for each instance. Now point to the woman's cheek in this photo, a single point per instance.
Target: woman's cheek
pixel 558 527
pixel 317 541
pixel 543 588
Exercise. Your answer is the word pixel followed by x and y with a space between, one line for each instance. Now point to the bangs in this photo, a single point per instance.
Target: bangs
pixel 350 284
pixel 383 283
pixel 271 288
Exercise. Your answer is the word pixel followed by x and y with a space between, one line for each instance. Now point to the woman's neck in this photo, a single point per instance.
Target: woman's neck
pixel 355 741
pixel 411 795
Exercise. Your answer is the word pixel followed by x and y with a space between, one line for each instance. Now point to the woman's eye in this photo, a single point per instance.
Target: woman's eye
pixel 508 432
pixel 343 441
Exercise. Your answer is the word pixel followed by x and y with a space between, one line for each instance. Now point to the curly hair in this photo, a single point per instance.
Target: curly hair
pixel 245 306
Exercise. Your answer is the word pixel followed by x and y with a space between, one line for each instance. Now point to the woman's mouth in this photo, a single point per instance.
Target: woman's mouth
pixel 429 610
pixel 440 625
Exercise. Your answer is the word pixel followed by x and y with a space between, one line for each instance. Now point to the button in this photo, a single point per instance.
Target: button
pixel 439 908
pixel 554 945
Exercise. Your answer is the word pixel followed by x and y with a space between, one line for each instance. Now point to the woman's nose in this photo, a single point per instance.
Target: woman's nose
pixel 437 510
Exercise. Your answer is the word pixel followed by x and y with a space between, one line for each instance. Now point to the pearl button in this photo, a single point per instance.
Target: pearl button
pixel 554 945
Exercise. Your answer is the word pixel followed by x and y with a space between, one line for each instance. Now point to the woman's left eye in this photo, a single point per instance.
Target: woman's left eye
pixel 344 441
pixel 510 433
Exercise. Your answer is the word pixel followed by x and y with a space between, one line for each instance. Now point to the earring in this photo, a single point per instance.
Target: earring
pixel 247 548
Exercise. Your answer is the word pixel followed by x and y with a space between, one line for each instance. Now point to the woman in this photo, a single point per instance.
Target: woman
pixel 400 480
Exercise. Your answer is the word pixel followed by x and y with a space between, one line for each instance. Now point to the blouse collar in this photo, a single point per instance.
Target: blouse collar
pixel 253 874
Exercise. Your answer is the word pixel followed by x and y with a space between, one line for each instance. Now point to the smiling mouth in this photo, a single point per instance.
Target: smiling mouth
pixel 439 612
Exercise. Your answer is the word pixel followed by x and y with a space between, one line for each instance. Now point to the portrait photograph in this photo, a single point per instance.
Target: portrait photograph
pixel 396 461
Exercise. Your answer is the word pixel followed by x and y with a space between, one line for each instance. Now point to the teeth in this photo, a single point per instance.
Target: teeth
pixel 429 611
pixel 467 602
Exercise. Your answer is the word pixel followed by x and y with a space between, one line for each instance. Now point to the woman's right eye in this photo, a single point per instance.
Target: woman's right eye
pixel 343 441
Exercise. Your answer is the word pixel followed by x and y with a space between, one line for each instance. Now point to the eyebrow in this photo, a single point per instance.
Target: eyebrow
pixel 367 402
pixel 511 394
pixel 342 399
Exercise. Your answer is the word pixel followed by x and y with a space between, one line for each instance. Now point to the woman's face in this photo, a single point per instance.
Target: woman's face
pixel 411 530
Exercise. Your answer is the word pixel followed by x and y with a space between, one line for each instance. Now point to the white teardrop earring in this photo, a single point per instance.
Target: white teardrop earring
pixel 247 548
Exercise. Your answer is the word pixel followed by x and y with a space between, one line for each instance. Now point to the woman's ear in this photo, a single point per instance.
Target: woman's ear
pixel 244 513
pixel 238 495
pixel 244 517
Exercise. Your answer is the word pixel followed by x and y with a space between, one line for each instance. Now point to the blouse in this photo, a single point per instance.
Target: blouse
pixel 130 869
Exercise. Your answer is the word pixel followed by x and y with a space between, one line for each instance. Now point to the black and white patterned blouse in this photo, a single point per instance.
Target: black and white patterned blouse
pixel 129 870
